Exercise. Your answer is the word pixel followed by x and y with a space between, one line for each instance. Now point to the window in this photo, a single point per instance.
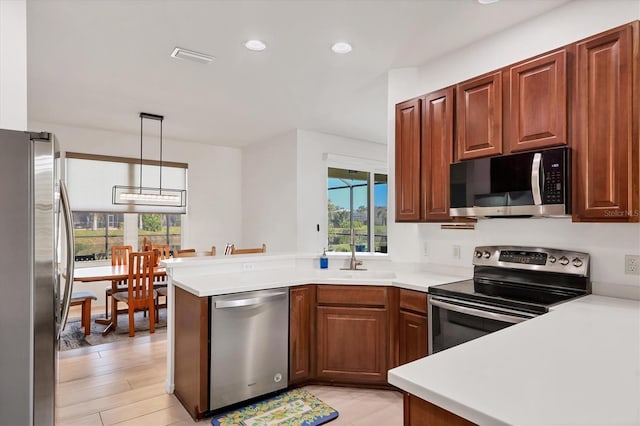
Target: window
pixel 357 201
pixel 99 224
pixel 96 233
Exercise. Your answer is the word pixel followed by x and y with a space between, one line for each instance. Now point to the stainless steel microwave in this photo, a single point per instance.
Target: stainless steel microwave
pixel 518 185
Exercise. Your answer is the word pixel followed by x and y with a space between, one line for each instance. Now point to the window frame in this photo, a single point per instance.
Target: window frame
pixel 372 168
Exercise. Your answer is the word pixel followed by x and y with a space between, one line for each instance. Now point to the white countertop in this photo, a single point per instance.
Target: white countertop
pixel 236 282
pixel 576 365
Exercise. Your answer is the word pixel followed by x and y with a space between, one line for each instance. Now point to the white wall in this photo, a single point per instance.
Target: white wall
pixel 269 194
pixel 214 177
pixel 13 64
pixel 284 189
pixel 312 181
pixel 607 243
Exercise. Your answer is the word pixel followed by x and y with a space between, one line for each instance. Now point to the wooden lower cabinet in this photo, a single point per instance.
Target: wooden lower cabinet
pixel 352 344
pixel 191 347
pixel 418 412
pixel 412 337
pixel 412 326
pixel 301 300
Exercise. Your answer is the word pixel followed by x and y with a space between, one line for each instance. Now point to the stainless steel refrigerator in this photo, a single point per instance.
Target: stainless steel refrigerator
pixel 35 227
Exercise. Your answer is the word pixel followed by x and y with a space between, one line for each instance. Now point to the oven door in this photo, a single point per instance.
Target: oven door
pixel 454 321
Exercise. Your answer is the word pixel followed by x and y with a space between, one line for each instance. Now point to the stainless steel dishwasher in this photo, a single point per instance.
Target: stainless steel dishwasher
pixel 249 345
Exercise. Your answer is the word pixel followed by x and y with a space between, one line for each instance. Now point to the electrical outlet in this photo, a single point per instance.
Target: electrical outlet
pixel 631 264
pixel 425 251
pixel 248 266
pixel 456 252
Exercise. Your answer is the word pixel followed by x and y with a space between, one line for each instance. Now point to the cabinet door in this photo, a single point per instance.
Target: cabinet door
pixel 412 336
pixel 352 344
pixel 479 117
pixel 538 102
pixel 407 163
pixel 606 140
pixel 437 153
pixel 300 300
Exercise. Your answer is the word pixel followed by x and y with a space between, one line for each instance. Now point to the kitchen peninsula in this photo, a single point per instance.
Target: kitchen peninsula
pixel 578 364
pixel 343 323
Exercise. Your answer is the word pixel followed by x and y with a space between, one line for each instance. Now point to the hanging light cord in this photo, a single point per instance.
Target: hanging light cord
pixel 160 118
pixel 161 155
pixel 141 118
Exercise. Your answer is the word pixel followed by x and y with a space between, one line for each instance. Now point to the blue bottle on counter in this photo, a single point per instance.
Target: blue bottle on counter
pixel 324 260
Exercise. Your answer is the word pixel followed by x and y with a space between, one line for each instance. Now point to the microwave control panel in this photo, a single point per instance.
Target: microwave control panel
pixel 554 171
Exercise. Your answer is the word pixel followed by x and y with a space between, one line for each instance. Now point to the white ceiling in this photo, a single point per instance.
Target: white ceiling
pixel 99 63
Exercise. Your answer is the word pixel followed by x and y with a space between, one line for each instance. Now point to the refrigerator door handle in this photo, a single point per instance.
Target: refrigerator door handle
pixel 68 288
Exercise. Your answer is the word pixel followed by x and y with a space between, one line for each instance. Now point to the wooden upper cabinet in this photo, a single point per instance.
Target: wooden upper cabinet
pixel 605 127
pixel 407 163
pixel 479 117
pixel 538 102
pixel 437 153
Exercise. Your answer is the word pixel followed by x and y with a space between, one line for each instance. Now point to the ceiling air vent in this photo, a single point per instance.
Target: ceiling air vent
pixel 191 55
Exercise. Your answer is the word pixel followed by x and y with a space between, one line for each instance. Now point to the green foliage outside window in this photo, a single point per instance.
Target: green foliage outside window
pixel 152 222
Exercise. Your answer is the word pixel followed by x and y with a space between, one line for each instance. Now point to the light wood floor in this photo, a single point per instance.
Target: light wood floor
pixel 123 383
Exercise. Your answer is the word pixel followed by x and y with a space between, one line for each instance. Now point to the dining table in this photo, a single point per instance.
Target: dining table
pixel 113 273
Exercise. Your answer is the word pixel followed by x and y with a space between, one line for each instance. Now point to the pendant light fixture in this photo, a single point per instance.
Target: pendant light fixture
pixel 149 196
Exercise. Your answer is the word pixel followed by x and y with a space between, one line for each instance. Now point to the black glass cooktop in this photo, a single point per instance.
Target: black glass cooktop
pixel 514 295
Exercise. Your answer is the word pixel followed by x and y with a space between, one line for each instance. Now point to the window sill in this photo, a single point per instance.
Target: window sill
pixel 347 254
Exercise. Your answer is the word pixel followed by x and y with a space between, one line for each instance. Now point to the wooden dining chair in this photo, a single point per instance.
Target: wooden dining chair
pixel 235 250
pixel 162 251
pixel 191 252
pixel 140 294
pixel 185 252
pixel 119 256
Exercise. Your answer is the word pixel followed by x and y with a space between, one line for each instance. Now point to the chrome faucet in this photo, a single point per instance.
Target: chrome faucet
pixel 353 263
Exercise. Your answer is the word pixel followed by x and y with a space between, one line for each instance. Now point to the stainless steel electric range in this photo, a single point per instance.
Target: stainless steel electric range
pixel 510 284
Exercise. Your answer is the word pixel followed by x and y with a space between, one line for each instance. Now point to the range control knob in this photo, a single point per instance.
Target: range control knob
pixel 577 262
pixel 552 259
pixel 478 254
pixel 564 261
pixel 486 255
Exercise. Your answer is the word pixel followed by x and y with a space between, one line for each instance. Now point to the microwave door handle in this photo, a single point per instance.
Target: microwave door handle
pixel 535 178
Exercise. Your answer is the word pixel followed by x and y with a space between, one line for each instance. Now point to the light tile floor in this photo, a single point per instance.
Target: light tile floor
pixel 123 383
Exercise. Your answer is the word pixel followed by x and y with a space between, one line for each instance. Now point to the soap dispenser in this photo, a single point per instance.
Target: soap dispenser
pixel 324 260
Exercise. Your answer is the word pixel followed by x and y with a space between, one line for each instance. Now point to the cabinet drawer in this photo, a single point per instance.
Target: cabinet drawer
pixel 413 301
pixel 351 295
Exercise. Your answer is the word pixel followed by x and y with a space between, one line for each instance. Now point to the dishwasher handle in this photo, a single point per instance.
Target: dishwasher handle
pixel 251 301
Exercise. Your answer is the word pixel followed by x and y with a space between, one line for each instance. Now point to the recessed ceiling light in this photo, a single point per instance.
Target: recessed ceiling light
pixel 255 45
pixel 341 47
pixel 190 55
pixel 488 1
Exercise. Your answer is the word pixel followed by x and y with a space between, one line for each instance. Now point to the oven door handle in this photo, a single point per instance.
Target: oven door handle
pixel 512 319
